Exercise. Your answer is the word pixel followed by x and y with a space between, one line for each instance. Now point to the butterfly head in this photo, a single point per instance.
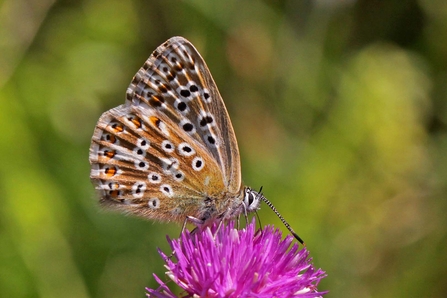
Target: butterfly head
pixel 252 199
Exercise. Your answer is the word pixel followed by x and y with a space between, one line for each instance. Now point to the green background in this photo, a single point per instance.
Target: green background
pixel 339 108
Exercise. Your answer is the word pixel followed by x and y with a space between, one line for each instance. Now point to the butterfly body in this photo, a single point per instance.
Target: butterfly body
pixel 170 152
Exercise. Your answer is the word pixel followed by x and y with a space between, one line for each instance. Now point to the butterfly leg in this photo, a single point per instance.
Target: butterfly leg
pixel 245 214
pixel 218 227
pixel 194 220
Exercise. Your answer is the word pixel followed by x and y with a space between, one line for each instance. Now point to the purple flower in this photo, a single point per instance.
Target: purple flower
pixel 226 262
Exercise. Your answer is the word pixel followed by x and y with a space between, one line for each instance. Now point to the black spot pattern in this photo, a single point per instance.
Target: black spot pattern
pixel 185 93
pixel 154 203
pixel 211 140
pixel 206 120
pixel 154 177
pixel 166 189
pixel 188 127
pixel 182 106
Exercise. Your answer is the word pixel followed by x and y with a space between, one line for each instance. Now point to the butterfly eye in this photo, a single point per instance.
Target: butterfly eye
pixel 251 200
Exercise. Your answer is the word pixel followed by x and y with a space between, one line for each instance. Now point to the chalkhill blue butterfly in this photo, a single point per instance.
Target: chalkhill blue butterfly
pixel 170 153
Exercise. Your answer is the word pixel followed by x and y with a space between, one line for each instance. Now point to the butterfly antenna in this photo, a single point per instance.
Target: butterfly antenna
pixel 281 218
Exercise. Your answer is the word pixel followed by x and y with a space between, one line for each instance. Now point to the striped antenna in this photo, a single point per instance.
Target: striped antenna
pixel 281 218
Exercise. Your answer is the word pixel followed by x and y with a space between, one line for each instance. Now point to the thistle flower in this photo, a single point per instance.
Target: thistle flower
pixel 227 262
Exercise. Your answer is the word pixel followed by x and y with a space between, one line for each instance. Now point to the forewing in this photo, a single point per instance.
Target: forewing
pixel 176 82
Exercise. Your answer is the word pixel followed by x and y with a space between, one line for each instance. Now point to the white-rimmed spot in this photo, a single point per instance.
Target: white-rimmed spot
pixel 173 58
pixel 205 94
pixel 181 106
pixel 197 163
pixel 166 189
pixel 185 149
pixel 164 68
pixel 154 177
pixel 178 176
pixel 187 126
pixel 184 93
pixel 167 146
pixel 211 140
pixel 154 203
pixel 138 189
pixel 140 152
pixel 141 165
pixel 193 87
pixel 143 143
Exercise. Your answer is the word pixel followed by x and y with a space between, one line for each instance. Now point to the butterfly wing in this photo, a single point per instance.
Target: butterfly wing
pixel 162 154
pixel 177 81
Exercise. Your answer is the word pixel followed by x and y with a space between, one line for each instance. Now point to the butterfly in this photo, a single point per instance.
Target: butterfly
pixel 169 153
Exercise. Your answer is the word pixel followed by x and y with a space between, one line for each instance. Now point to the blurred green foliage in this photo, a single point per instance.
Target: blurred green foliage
pixel 340 108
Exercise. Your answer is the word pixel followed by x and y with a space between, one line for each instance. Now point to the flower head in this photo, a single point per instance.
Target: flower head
pixel 221 261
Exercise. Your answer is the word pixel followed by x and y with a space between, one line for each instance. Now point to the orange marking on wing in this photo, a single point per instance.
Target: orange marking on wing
pixel 110 154
pixel 114 193
pixel 118 127
pixel 110 172
pixel 136 122
pixel 155 121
